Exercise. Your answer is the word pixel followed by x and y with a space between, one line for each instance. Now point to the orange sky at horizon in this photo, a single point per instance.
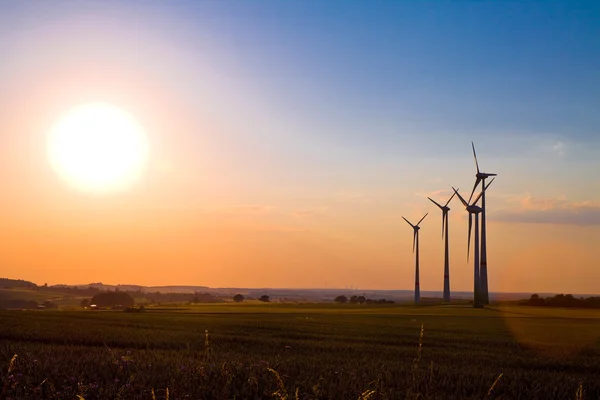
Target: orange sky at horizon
pixel 168 229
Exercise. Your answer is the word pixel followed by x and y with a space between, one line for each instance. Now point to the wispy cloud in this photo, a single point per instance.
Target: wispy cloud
pixel 549 210
pixel 277 229
pixel 304 213
pixel 559 148
pixel 310 213
pixel 350 196
pixel 441 195
pixel 247 209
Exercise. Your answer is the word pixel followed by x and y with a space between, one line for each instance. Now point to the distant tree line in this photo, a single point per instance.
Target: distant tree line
pixel 238 298
pixel 6 283
pixel 562 300
pixel 24 304
pixel 113 299
pixel 361 300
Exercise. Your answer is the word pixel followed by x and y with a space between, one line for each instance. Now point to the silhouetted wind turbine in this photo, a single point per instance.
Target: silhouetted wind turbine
pixel 473 209
pixel 445 210
pixel 481 177
pixel 416 244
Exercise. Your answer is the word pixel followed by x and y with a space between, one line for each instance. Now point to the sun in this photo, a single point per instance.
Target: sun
pixel 98 148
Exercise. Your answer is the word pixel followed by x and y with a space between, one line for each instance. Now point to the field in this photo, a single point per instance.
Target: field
pixel 251 351
pixel 39 296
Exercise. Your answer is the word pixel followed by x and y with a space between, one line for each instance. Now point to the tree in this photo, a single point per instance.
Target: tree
pixel 111 299
pixel 84 303
pixel 354 299
pixel 264 298
pixel 238 298
pixel 341 299
pixel 361 299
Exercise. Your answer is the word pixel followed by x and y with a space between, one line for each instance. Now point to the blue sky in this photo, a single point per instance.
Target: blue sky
pixel 375 70
pixel 496 67
pixel 331 85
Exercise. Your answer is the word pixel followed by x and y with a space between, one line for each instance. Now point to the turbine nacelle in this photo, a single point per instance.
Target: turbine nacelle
pixel 415 229
pixel 481 176
pixel 474 209
pixel 471 208
pixel 484 175
pixel 444 209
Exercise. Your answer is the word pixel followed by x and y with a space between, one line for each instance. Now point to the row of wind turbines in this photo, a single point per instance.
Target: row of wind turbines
pixel 480 277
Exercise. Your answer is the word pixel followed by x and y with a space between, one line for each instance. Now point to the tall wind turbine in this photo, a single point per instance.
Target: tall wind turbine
pixel 445 210
pixel 416 244
pixel 475 210
pixel 481 177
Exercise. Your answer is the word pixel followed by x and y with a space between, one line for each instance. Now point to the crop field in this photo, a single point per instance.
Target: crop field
pixel 285 351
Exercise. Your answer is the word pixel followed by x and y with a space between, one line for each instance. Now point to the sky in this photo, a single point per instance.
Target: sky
pixel 288 139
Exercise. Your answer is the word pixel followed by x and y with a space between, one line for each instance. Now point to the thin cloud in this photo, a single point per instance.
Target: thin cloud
pixel 351 197
pixel 304 213
pixel 249 208
pixel 442 195
pixel 241 210
pixel 559 148
pixel 310 213
pixel 547 210
pixel 278 229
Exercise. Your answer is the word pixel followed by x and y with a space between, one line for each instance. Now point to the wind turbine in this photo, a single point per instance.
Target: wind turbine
pixel 416 243
pixel 481 177
pixel 445 210
pixel 475 210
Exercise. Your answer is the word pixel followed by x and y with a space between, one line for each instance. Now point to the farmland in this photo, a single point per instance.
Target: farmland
pixel 224 351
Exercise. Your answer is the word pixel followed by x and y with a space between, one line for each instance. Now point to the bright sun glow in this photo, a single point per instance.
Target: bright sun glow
pixel 98 148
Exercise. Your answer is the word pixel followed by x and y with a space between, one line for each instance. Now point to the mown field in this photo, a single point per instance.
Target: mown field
pixel 301 351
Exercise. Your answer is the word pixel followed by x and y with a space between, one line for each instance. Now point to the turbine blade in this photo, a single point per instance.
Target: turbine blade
pixel 475 156
pixel 408 222
pixel 488 185
pixel 435 202
pixel 422 219
pixel 450 199
pixel 460 197
pixel 477 198
pixel 469 241
pixel 474 187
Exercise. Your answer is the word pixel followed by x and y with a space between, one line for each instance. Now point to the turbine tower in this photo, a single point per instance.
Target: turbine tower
pixel 481 177
pixel 445 210
pixel 416 244
pixel 475 210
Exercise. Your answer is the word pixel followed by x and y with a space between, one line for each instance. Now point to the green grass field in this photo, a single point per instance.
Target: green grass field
pixel 306 351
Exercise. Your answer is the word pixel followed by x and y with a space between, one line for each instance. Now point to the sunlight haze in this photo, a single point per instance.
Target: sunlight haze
pixel 284 141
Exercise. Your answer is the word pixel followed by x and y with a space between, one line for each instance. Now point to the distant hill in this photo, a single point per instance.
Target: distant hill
pixel 276 294
pixel 6 283
pixel 138 288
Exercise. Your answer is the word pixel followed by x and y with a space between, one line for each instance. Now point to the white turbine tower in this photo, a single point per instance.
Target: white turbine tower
pixel 445 210
pixel 416 244
pixel 481 177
